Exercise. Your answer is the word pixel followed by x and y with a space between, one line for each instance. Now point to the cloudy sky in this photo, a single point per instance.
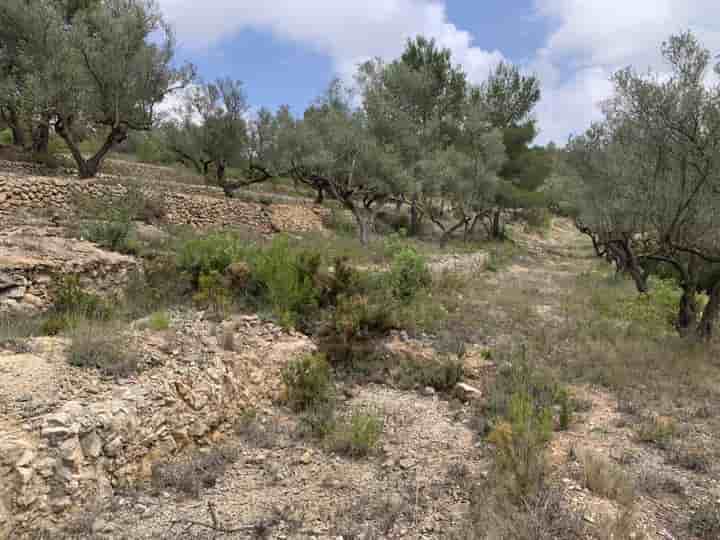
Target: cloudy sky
pixel 286 51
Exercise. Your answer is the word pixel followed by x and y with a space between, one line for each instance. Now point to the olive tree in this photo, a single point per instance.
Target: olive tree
pixel 332 147
pixel 212 129
pixel 462 179
pixel 108 70
pixel 414 105
pixel 659 152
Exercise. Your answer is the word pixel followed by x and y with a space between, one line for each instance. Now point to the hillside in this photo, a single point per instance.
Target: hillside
pixel 199 433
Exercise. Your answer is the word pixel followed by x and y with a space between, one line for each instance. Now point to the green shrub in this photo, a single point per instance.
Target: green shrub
pixel 521 377
pixel 6 136
pixel 213 294
pixel 211 253
pixel 442 373
pixel 286 280
pixel 339 222
pixel 113 235
pixel 72 304
pixel 409 274
pixel 159 320
pixel 102 348
pixel 520 441
pixel 308 382
pixel 357 435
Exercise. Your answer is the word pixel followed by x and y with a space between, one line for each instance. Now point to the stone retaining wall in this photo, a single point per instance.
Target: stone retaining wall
pixel 32 257
pixel 199 206
pixel 100 436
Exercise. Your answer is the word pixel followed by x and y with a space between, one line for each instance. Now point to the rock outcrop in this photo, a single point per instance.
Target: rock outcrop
pixel 69 441
pixel 32 256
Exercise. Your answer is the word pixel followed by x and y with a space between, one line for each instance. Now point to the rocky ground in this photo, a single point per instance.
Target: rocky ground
pixel 416 485
pixel 79 449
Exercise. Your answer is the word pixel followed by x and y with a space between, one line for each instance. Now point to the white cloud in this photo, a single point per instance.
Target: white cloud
pixel 349 32
pixel 589 39
pixel 594 38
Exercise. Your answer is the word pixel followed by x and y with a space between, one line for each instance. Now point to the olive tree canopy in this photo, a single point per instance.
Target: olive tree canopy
pixel 108 69
pixel 652 173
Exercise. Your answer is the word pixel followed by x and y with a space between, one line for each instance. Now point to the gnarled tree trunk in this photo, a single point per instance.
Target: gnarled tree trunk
pixel 12 119
pixel 88 168
pixel 687 310
pixel 710 315
pixel 41 137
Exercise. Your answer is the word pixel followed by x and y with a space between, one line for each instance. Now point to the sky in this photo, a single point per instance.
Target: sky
pixel 287 51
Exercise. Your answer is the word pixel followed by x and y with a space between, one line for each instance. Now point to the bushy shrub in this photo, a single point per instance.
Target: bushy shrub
pixel 115 235
pixel 408 274
pixel 441 373
pixel 357 435
pixel 159 320
pixel 359 315
pixel 72 303
pixel 339 222
pixel 213 294
pixel 308 382
pixel 6 136
pixel 101 348
pixel 604 478
pixel 196 473
pixel 538 219
pixel 286 278
pixel 520 441
pixel 210 253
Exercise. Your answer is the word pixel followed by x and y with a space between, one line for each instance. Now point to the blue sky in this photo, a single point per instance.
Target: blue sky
pixel 286 51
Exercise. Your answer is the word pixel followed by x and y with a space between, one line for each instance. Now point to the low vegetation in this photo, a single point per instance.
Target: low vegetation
pixel 419 165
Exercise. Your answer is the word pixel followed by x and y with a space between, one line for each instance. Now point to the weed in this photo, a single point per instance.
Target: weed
pixel 543 516
pixel 72 304
pixel 193 475
pixel 692 458
pixel 101 348
pixel 441 373
pixel 655 483
pixel 213 295
pixel 227 339
pixel 308 382
pixel 409 274
pixel 159 320
pixel 658 430
pixel 357 435
pixel 604 478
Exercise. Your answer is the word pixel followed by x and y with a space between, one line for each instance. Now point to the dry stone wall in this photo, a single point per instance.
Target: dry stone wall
pixel 21 191
pixel 32 256
pixel 69 438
